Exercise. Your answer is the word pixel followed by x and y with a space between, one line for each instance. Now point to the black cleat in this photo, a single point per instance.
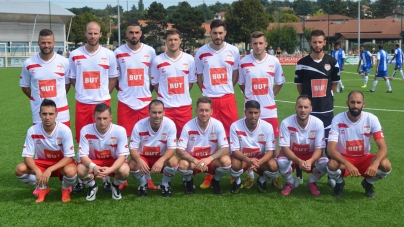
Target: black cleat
pixel 370 91
pixel 190 187
pixel 338 189
pixel 389 91
pixel 79 187
pixel 369 189
pixel 262 187
pixel 107 186
pixel 235 189
pixel 216 186
pixel 165 191
pixel 142 191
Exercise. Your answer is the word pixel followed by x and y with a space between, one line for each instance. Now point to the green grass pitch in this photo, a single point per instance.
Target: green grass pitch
pixel 249 208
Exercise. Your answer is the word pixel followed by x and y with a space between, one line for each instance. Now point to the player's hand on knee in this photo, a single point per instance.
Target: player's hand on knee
pixel 143 167
pixel 353 171
pixel 157 166
pixel 371 171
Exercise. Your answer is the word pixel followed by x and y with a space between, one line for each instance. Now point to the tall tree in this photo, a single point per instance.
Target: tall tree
pixel 219 7
pixel 78 28
pixel 285 36
pixel 383 8
pixel 243 18
pixel 141 5
pixel 156 23
pixel 287 17
pixel 303 7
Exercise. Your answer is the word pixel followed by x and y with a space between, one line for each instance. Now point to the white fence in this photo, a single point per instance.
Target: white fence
pixel 14 56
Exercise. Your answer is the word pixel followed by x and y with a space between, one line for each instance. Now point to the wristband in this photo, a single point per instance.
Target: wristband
pixel 92 165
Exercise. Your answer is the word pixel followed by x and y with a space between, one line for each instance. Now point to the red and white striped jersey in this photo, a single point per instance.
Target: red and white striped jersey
pixel 217 68
pixel 259 79
pixel 302 140
pixel 134 81
pixel 202 144
pixel 111 145
pixel 150 143
pixel 174 77
pixel 39 145
pixel 353 138
pixel 47 80
pixel 92 73
pixel 252 144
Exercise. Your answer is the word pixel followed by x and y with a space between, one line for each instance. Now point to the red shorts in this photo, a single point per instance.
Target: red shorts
pixel 150 160
pixel 362 163
pixel 128 117
pixel 275 125
pixel 84 116
pixel 225 110
pixel 45 164
pixel 180 116
pixel 246 167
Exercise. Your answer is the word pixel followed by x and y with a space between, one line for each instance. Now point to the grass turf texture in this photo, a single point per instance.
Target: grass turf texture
pixel 18 206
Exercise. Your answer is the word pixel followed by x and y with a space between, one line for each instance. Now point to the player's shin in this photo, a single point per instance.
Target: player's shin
pixel 88 180
pixel 285 169
pixel 319 170
pixel 268 176
pixel 379 175
pixel 366 80
pixel 374 85
pixel 401 73
pixel 336 175
pixel 236 175
pixel 168 174
pixel 68 181
pixel 139 176
pixel 221 171
pixel 186 174
pixel 28 179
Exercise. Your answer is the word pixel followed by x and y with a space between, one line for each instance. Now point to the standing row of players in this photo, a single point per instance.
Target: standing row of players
pixel 217 67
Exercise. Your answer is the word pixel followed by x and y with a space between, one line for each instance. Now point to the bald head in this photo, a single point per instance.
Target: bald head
pixel 93 25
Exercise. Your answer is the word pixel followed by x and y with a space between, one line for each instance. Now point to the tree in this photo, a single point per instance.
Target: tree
pixel 383 8
pixel 338 7
pixel 243 18
pixel 307 33
pixel 219 7
pixel 78 28
pixel 286 17
pixel 141 5
pixel 303 7
pixel 284 37
pixel 156 23
pixel 188 21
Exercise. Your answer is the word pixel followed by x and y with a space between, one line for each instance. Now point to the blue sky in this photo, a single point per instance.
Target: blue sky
pixel 101 4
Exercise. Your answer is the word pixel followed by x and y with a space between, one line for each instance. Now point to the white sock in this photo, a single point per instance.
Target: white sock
pixel 340 83
pixel 106 179
pixel 319 170
pixel 388 84
pixel 268 176
pixel 336 175
pixel 28 179
pixel 394 73
pixel 366 80
pixel 68 181
pixel 139 176
pixel 168 174
pixel 186 174
pixel 402 74
pixel 251 174
pixel 220 172
pixel 379 175
pixel 374 85
pixel 118 181
pixel 362 75
pixel 236 175
pixel 147 176
pixel 288 176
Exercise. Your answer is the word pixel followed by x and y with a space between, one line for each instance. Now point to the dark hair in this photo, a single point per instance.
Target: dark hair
pixel 337 44
pixel 100 108
pixel 155 102
pixel 397 45
pixel 173 31
pixel 46 32
pixel 354 92
pixel 317 33
pixel 380 46
pixel 258 34
pixel 252 104
pixel 48 102
pixel 303 96
pixel 134 24
pixel 204 99
pixel 217 23
pixel 361 46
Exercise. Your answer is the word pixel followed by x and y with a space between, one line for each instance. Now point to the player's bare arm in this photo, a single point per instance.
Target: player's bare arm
pixel 235 77
pixel 277 88
pixel 30 163
pixel 200 81
pixel 300 88
pixel 67 87
pixel 219 153
pixel 159 164
pixel 334 87
pixel 105 171
pixel 143 167
pixel 112 84
pixel 242 88
pixel 334 154
pixel 380 155
pixel 190 85
pixel 85 160
pixel 359 65
pixel 316 155
pixel 186 156
pixel 156 87
pixel 239 155
pixel 291 156
pixel 27 91
pixel 267 156
pixel 73 82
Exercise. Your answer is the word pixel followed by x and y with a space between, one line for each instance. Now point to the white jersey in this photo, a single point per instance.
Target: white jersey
pixel 92 73
pixel 111 145
pixel 259 79
pixel 201 144
pixel 353 138
pixel 39 145
pixel 302 140
pixel 150 143
pixel 217 68
pixel 252 144
pixel 174 77
pixel 134 73
pixel 47 80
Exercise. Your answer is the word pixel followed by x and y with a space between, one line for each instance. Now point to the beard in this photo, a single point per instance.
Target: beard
pixel 355 113
pixel 218 42
pixel 43 51
pixel 134 42
pixel 315 51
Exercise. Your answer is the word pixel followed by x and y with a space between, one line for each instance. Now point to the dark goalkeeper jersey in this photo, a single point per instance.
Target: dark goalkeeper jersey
pixel 316 80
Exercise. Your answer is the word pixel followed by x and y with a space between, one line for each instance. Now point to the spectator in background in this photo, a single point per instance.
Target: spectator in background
pixel 271 51
pixel 297 52
pixel 60 52
pixel 278 52
pixel 349 52
pixel 284 53
pixel 373 51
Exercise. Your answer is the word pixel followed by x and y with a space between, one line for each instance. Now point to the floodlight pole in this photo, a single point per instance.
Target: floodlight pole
pixel 328 21
pixel 119 25
pixel 359 23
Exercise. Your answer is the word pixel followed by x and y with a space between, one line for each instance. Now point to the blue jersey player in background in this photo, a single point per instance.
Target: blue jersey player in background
pixel 339 54
pixel 398 55
pixel 367 60
pixel 381 69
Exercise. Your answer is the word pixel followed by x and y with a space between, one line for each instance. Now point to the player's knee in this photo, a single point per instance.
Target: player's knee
pixel 272 165
pixel 385 165
pixel 21 169
pixel 183 164
pixel 236 164
pixel 225 161
pixel 123 171
pixel 333 165
pixel 172 162
pixel 82 170
pixel 69 170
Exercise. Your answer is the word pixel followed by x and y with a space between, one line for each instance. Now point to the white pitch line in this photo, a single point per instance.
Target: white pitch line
pixel 386 110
